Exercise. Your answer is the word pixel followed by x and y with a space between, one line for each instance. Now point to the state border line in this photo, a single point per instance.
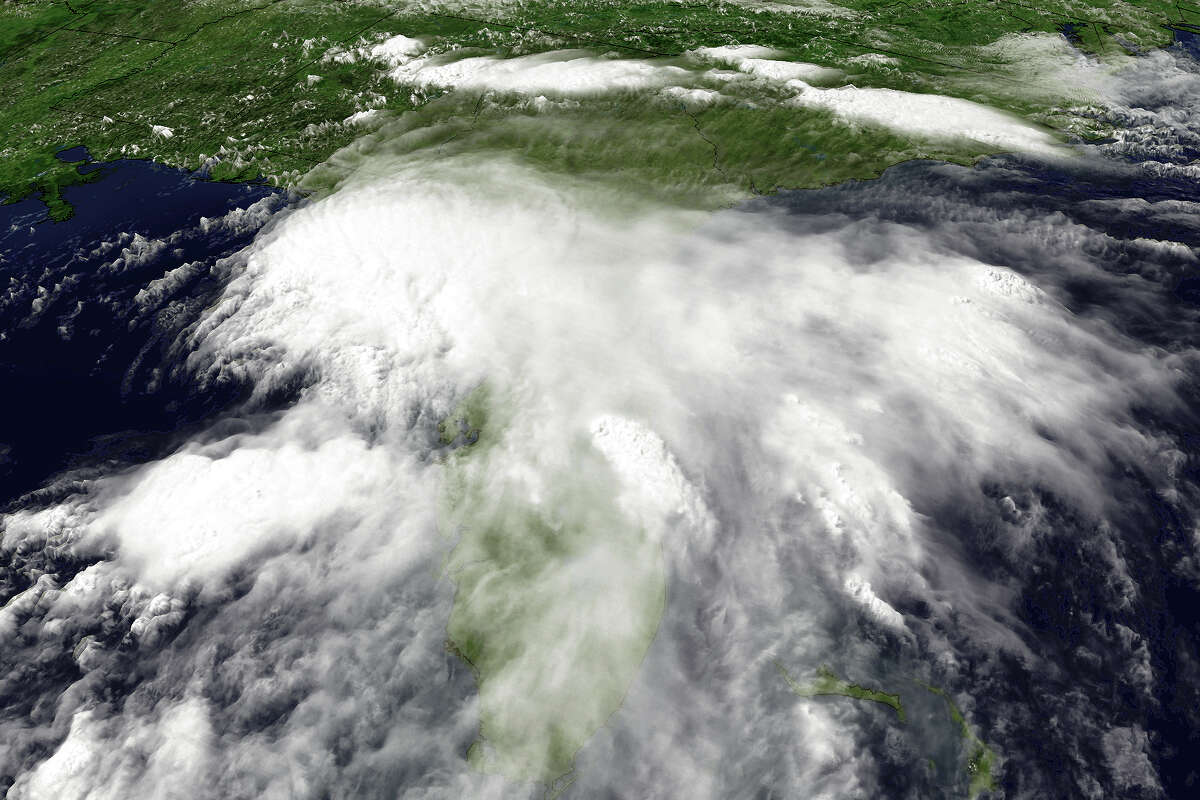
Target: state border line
pixel 152 62
pixel 275 87
pixel 270 89
pixel 578 36
pixel 120 35
pixel 279 84
pixel 19 52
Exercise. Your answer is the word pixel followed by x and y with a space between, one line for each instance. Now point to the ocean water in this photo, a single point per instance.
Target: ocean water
pixel 1118 250
pixel 934 429
pixel 92 305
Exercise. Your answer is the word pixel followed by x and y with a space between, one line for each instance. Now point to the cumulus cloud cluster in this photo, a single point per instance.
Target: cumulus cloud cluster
pixel 573 73
pixel 91 309
pixel 852 434
pixel 795 405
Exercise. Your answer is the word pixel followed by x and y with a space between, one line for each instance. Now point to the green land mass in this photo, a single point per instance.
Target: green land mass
pixel 828 684
pixel 265 88
pixel 557 597
pixel 981 759
pixel 230 80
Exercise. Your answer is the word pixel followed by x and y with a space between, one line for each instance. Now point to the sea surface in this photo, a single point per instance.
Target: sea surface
pixel 92 306
pixel 1072 625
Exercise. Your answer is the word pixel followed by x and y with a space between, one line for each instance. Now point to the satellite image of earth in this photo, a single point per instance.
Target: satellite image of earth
pixel 616 399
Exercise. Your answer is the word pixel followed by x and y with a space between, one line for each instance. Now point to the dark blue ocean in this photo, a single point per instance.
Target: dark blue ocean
pixel 1138 230
pixel 83 358
pixel 1151 294
pixel 93 381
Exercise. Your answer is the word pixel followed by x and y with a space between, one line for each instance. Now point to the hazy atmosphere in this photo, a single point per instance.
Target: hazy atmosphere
pixel 538 412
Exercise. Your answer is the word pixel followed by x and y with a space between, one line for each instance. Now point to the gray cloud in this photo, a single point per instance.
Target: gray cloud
pixel 879 440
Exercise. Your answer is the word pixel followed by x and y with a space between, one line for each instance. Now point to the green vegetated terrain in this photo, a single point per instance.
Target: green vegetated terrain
pixel 981 760
pixel 248 88
pixel 828 684
pixel 557 598
pixel 658 147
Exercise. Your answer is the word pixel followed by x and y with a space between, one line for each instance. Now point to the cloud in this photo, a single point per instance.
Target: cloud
pixel 930 116
pixel 764 62
pixel 575 72
pixel 1126 750
pixel 165 757
pixel 795 405
pixel 564 72
pixel 397 50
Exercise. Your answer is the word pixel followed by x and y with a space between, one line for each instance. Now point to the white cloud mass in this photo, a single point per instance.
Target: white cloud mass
pixel 808 418
pixel 786 404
